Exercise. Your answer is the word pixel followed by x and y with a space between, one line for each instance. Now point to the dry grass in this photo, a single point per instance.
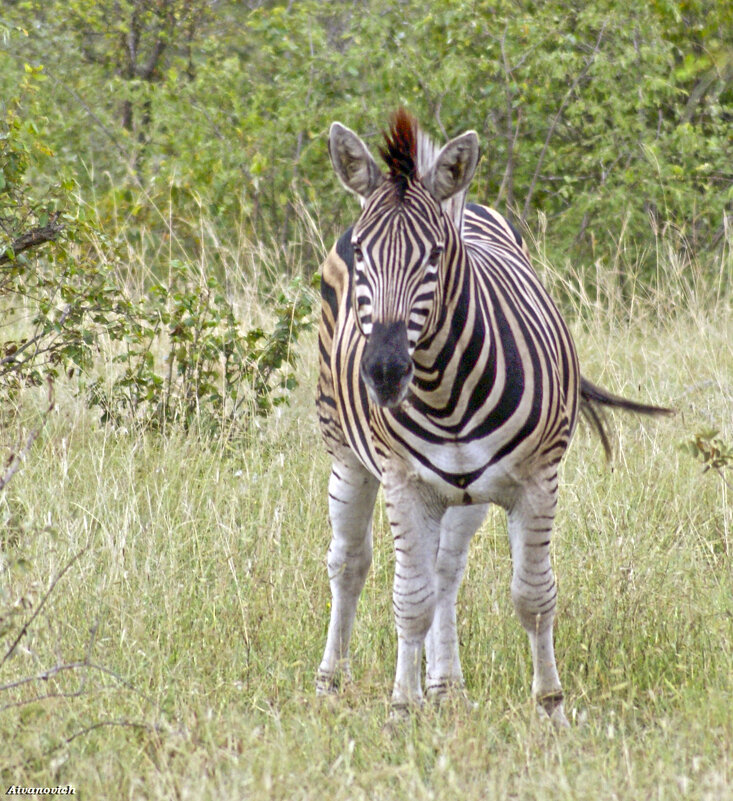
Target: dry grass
pixel 185 633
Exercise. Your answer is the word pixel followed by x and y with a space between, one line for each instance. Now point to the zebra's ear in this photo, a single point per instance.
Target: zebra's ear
pixel 454 167
pixel 353 163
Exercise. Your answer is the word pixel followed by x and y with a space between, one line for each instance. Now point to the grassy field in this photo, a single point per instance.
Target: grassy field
pixel 169 602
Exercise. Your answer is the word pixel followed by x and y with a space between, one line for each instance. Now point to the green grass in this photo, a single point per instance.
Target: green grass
pixel 196 608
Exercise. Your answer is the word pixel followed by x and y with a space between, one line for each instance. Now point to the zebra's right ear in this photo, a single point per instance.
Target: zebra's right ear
pixel 353 163
pixel 454 167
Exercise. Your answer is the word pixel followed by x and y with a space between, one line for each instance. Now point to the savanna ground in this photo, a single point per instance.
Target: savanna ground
pixel 165 601
pixel 163 592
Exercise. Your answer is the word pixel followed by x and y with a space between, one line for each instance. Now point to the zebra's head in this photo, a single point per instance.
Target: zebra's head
pixel 409 225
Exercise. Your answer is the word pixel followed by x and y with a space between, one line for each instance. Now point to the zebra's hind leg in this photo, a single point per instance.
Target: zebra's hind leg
pixel 534 592
pixel 444 675
pixel 352 491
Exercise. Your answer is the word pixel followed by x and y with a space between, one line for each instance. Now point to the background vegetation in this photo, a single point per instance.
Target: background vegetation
pixel 168 113
pixel 165 197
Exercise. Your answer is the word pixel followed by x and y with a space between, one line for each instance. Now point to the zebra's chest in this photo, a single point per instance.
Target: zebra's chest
pixel 463 466
pixel 476 449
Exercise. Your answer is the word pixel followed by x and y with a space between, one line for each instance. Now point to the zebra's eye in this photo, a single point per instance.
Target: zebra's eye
pixel 358 255
pixel 434 256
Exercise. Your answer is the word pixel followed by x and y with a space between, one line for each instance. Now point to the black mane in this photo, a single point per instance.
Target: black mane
pixel 400 149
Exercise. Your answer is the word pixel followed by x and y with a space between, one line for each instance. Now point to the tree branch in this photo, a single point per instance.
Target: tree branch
pixel 32 239
pixel 17 457
pixel 42 603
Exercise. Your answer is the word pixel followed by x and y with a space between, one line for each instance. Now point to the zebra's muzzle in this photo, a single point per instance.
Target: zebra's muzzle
pixel 386 366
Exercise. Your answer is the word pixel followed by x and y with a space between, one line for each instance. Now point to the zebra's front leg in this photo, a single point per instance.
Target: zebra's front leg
pixel 444 674
pixel 352 491
pixel 535 595
pixel 414 513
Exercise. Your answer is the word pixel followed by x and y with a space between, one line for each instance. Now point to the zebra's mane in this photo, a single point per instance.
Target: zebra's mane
pixel 409 153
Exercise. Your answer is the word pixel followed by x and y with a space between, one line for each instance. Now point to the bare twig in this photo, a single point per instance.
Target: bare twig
pixel 125 724
pixel 723 478
pixel 32 239
pixel 71 666
pixel 12 358
pixel 507 182
pixel 45 676
pixel 581 75
pixel 36 612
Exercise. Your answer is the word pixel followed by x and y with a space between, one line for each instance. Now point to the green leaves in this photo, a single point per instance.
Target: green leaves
pixel 222 110
pixel 186 361
pixel 179 356
pixel 707 447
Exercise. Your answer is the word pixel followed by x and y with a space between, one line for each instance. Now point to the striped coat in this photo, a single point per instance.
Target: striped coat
pixel 475 397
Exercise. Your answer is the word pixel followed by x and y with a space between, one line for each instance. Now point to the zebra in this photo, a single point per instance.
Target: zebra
pixel 448 376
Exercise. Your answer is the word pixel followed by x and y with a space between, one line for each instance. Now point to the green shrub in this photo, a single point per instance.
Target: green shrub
pixel 179 354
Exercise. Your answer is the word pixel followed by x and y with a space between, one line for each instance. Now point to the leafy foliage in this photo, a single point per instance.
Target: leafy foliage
pixel 210 373
pixel 179 353
pixel 601 118
pixel 710 449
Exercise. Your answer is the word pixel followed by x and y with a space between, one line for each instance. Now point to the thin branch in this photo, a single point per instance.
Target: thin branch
pixel 512 134
pixel 17 456
pixel 12 358
pixel 32 239
pixel 725 481
pixel 581 75
pixel 29 622
pixel 701 88
pixel 57 669
pixel 43 677
pixel 146 72
pixel 125 724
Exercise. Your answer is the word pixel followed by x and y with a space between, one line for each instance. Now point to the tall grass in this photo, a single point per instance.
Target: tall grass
pixel 169 598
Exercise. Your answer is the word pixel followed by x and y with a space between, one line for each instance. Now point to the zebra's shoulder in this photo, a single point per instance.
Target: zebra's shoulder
pixel 483 221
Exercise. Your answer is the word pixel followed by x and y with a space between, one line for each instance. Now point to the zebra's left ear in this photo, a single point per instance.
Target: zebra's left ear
pixel 454 167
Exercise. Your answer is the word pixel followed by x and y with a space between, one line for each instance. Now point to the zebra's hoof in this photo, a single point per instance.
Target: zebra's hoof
pixel 400 711
pixel 400 718
pixel 550 707
pixel 331 684
pixel 326 685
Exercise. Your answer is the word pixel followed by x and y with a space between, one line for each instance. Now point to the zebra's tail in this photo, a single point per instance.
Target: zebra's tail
pixel 592 400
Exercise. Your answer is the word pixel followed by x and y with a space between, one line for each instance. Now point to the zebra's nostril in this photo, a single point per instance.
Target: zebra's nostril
pixel 396 372
pixel 389 374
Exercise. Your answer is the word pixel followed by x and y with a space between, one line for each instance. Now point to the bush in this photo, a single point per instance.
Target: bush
pixel 598 117
pixel 180 354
